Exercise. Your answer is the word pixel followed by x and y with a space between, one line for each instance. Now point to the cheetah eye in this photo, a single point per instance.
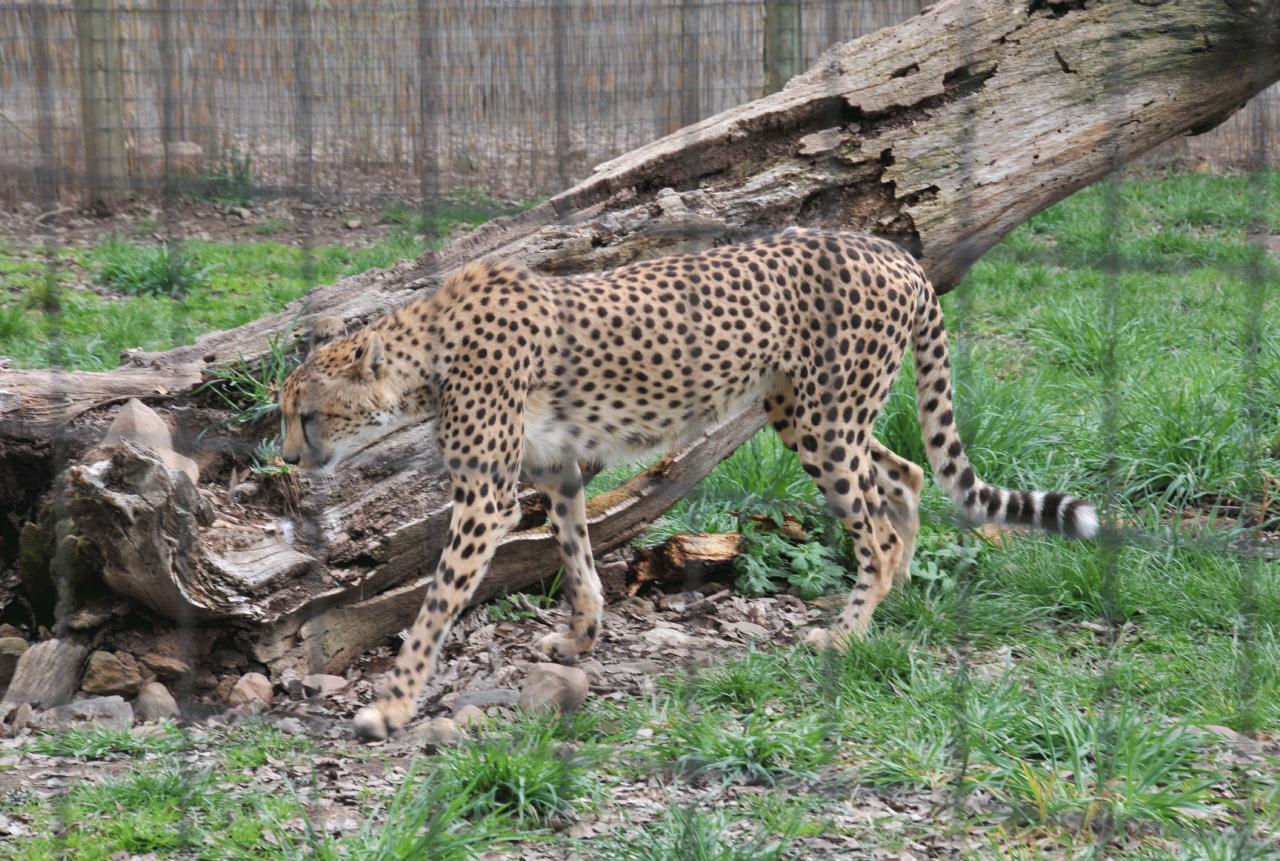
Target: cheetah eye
pixel 307 417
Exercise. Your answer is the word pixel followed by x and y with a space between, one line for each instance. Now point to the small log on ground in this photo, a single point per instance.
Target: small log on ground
pixel 688 558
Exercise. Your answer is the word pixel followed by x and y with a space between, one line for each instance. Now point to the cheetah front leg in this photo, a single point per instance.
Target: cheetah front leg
pixel 567 517
pixel 482 514
pixel 485 508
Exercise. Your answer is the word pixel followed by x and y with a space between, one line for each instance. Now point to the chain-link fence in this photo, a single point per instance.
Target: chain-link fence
pixel 1020 698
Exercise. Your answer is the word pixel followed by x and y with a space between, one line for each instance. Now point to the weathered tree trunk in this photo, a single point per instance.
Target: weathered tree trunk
pixel 941 133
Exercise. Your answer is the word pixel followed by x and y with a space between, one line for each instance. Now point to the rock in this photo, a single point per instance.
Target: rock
pixel 241 213
pixel 111 712
pixel 166 667
pixel 252 687
pixel 321 684
pixel 484 699
pixel 141 425
pixel 155 703
pixel 353 224
pixel 240 714
pixel 47 674
pixel 15 718
pixel 438 732
pixel 292 683
pixel 291 726
pixel 469 717
pixel 552 687
pixel 669 638
pixel 108 673
pixel 1223 732
pixel 244 490
pixel 11 648
pixel 635 668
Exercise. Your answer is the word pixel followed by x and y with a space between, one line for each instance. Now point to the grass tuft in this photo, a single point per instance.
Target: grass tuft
pixel 148 270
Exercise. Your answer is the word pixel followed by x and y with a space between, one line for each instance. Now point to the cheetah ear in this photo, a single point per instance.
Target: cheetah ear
pixel 326 329
pixel 369 358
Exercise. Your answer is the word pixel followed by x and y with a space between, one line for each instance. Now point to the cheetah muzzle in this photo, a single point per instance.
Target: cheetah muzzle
pixel 527 373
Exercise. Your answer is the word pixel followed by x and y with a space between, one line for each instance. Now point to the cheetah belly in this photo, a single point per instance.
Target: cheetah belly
pixel 622 434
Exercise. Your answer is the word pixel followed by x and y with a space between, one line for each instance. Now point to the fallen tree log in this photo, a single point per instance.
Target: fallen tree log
pixel 941 133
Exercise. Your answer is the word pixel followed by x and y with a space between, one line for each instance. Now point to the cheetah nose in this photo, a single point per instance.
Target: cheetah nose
pixel 291 459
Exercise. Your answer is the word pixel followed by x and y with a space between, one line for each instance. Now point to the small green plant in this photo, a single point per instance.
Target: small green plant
pixel 757 748
pixel 424 819
pixel 252 390
pixel 1104 771
pixel 267 461
pixel 770 562
pixel 745 684
pixel 513 608
pixel 254 743
pixel 528 775
pixel 690 835
pixel 148 270
pixel 230 182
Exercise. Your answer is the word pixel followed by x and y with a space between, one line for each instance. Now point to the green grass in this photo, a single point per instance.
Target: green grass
pixel 1049 695
pixel 157 297
pixel 526 773
pixel 690 835
pixel 104 743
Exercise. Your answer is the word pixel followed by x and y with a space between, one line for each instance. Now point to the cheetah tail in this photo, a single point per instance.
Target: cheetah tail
pixel 1053 512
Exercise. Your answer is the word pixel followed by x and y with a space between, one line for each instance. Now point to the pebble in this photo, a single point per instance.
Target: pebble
pixel 323 684
pixel 155 703
pixel 552 687
pixel 252 687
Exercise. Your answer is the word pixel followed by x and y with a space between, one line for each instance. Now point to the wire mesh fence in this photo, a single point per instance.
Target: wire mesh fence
pixel 477 91
pixel 445 106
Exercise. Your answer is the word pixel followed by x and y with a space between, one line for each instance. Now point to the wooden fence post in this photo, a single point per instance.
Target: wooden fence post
pixel 782 53
pixel 101 105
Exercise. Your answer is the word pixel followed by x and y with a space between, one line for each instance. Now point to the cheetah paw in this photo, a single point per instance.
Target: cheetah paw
pixel 823 639
pixel 371 724
pixel 559 646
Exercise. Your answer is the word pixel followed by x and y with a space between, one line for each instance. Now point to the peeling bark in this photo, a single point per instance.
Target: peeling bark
pixel 942 133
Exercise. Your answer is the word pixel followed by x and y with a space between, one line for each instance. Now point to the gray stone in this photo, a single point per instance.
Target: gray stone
pixel 438 732
pixel 552 687
pixel 15 718
pixel 141 425
pixel 155 703
pixel 11 648
pixel 111 712
pixel 252 687
pixel 47 674
pixel 469 717
pixel 484 699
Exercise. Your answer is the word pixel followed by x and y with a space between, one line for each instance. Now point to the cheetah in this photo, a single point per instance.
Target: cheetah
pixel 528 375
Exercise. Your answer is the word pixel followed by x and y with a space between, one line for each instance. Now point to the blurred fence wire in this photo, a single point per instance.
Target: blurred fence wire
pixel 399 99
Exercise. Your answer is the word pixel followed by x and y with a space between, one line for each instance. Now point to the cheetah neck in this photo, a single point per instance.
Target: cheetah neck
pixel 413 376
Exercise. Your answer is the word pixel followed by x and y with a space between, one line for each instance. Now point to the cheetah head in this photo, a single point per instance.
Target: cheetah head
pixel 339 399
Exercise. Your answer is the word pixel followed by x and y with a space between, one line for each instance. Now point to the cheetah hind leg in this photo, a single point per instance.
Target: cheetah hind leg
pixel 899 483
pixel 567 516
